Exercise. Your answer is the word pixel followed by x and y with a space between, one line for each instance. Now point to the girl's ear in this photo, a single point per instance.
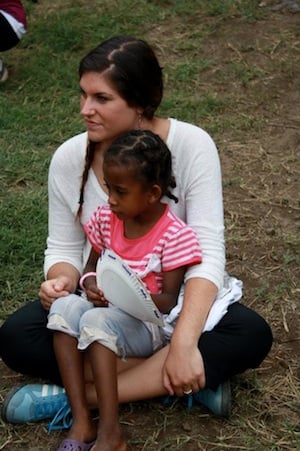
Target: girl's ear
pixel 155 194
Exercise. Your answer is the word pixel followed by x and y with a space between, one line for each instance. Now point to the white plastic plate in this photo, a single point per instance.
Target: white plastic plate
pixel 123 288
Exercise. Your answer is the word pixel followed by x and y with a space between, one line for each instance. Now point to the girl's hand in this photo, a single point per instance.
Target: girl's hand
pixel 52 289
pixel 94 294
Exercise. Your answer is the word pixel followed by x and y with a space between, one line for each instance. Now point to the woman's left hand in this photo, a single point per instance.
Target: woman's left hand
pixel 183 370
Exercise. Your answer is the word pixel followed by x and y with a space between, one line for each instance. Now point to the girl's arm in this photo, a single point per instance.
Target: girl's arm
pixel 172 281
pixel 94 294
pixel 91 262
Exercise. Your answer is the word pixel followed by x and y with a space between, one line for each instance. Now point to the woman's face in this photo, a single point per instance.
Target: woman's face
pixel 106 114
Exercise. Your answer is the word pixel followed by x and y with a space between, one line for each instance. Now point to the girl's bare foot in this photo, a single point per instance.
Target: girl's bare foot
pixel 83 431
pixel 112 441
pixel 107 447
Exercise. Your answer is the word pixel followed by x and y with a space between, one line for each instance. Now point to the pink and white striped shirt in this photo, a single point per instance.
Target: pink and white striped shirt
pixel 170 244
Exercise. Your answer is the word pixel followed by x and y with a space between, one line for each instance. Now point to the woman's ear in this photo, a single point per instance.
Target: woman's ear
pixel 139 113
pixel 155 194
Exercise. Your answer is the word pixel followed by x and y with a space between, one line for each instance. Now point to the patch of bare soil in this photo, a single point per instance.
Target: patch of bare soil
pixel 261 194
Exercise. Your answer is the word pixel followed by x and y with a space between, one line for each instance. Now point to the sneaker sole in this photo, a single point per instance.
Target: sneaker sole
pixel 226 410
pixel 6 401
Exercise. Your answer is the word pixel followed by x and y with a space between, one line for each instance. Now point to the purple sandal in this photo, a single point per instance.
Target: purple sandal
pixel 75 445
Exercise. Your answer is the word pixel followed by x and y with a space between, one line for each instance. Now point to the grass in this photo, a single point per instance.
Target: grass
pixel 230 67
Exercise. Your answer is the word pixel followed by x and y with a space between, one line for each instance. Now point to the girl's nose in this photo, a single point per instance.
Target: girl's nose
pixel 111 200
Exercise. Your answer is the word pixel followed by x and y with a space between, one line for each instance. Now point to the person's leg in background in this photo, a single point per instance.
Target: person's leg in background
pixel 8 38
pixel 11 31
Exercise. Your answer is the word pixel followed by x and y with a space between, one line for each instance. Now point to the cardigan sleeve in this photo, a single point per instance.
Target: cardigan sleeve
pixel 197 171
pixel 66 238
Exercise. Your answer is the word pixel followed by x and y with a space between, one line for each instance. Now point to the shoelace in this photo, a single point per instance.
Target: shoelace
pixel 62 420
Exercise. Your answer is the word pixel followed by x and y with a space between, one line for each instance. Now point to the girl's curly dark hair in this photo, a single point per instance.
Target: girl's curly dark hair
pixel 148 154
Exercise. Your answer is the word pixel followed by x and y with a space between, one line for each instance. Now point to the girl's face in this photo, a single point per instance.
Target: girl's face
pixel 106 114
pixel 127 196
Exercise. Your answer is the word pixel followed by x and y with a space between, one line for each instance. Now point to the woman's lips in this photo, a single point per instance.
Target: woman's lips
pixel 92 125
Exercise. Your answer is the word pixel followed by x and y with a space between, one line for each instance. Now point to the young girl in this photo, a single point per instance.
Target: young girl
pixel 158 246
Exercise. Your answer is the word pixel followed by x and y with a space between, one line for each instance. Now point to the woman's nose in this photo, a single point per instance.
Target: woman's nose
pixel 86 107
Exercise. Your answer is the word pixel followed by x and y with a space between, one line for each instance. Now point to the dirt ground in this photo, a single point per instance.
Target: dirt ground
pixel 262 212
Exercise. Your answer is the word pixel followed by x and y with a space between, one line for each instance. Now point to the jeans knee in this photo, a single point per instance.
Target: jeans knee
pixel 65 313
pixel 98 318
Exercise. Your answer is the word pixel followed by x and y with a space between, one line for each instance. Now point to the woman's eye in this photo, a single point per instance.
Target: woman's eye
pixel 102 99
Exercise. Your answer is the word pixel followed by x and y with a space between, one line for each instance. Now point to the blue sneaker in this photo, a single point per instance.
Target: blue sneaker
pixel 218 402
pixel 33 402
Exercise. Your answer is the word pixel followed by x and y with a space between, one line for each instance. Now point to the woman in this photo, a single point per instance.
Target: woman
pixel 215 336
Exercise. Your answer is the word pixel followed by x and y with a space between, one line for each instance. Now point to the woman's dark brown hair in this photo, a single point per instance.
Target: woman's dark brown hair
pixel 132 67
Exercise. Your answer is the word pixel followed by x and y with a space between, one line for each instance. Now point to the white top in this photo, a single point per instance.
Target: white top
pixel 197 172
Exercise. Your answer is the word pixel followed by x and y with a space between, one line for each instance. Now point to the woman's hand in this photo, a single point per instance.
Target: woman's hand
pixel 52 289
pixel 183 370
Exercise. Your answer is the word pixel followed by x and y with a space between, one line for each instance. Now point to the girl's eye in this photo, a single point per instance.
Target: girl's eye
pixel 120 191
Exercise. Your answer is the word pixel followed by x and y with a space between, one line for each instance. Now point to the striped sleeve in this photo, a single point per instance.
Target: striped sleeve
pixel 181 248
pixel 97 229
